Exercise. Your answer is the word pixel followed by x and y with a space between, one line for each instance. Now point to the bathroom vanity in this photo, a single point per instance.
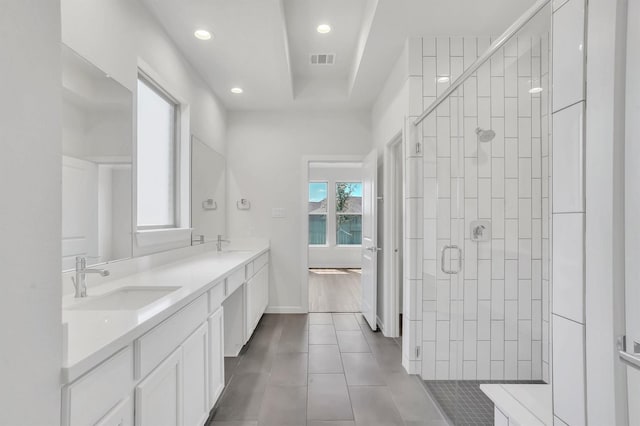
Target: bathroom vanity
pixel 147 344
pixel 148 348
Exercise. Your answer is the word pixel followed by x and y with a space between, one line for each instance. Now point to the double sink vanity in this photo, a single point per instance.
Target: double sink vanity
pixel 148 348
pixel 144 343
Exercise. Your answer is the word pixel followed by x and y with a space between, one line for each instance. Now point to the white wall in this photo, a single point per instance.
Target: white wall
pixel 392 104
pixel 332 255
pixel 264 159
pixel 115 35
pixel 30 223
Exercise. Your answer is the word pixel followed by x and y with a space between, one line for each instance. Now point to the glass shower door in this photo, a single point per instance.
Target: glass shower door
pixel 492 198
pixel 446 324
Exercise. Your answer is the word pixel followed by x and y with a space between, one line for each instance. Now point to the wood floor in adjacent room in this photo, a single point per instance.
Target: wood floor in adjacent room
pixel 334 290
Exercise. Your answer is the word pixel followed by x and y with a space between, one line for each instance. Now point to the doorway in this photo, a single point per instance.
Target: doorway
pixel 334 211
pixel 394 208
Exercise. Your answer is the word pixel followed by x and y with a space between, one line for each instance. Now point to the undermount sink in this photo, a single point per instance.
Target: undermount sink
pixel 123 299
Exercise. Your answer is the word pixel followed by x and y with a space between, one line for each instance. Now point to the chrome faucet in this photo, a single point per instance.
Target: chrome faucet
pixel 219 242
pixel 80 281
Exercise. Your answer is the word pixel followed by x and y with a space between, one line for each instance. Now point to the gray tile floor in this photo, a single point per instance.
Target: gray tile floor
pixel 321 370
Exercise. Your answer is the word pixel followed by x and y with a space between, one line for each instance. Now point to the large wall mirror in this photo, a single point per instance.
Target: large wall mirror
pixel 97 119
pixel 208 182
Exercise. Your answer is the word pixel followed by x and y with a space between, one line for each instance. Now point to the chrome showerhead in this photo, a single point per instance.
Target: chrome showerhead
pixel 485 135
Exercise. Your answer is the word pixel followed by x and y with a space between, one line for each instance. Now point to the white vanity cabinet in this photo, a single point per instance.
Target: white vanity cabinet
pixel 216 355
pixel 162 340
pixel 159 396
pixel 257 291
pixel 195 372
pixel 121 415
pixel 93 396
pixel 173 374
pixel 177 391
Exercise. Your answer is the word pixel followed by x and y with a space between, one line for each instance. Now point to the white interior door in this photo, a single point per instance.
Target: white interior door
pixel 632 211
pixel 369 238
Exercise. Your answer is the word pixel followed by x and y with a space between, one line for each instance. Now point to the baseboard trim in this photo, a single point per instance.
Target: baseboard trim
pixel 285 310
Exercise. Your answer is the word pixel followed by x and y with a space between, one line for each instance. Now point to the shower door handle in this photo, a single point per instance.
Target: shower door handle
pixel 442 265
pixel 631 358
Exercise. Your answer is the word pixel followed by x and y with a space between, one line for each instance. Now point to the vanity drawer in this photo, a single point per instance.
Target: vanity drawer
pixel 235 280
pixel 260 261
pixel 255 266
pixel 216 296
pixel 91 397
pixel 249 270
pixel 160 342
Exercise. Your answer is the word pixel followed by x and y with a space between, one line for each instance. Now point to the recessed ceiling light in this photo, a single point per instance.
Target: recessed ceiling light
pixel 324 28
pixel 202 35
pixel 443 79
pixel 535 90
pixel 237 90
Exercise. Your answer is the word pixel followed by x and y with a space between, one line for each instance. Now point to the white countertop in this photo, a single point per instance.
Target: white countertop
pixel 93 336
pixel 525 404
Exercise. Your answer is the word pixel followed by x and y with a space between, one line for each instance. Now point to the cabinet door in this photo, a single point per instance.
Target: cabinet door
pixel 216 356
pixel 257 298
pixel 121 415
pixel 90 398
pixel 250 301
pixel 264 286
pixel 158 398
pixel 195 373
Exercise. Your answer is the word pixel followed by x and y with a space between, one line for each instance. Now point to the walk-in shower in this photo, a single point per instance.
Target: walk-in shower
pixel 486 137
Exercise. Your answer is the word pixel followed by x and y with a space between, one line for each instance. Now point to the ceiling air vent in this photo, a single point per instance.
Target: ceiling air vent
pixel 323 59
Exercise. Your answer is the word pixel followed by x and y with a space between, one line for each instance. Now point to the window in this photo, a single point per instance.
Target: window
pixel 156 157
pixel 318 213
pixel 348 213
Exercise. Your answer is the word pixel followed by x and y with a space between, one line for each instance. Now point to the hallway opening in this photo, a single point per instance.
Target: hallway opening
pixel 335 290
pixel 335 197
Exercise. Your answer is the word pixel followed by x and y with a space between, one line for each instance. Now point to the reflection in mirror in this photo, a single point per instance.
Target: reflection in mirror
pixel 208 209
pixel 97 124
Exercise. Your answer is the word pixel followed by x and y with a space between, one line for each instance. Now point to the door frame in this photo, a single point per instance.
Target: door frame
pixel 391 292
pixel 627 376
pixel 304 224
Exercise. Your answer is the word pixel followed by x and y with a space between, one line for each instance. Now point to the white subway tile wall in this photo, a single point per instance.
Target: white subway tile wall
pixel 492 320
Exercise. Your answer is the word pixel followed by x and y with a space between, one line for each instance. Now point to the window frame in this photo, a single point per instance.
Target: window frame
pixel 335 189
pixel 153 85
pixel 325 214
